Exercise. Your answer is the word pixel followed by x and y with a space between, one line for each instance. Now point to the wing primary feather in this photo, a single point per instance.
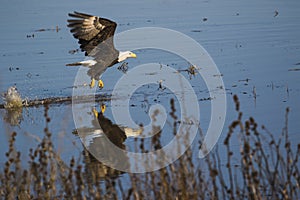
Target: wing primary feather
pixel 80 15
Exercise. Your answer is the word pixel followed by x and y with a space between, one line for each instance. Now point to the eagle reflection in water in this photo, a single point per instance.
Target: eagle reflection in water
pixel 102 153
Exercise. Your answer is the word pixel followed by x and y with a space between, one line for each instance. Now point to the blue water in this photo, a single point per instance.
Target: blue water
pixel 245 39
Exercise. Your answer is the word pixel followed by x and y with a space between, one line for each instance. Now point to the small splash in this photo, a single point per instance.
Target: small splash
pixel 12 98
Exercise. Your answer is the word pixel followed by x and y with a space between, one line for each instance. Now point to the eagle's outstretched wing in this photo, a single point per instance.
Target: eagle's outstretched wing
pixel 92 32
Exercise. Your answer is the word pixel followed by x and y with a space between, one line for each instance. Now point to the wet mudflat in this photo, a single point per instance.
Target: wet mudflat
pixel 255 45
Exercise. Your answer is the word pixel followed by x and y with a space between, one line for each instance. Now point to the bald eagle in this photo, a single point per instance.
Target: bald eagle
pixel 95 36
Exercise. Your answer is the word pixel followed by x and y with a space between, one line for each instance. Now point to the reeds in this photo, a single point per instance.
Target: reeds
pixel 264 168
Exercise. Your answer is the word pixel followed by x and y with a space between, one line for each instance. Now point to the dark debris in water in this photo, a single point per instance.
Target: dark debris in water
pixel 73 51
pixel 245 80
pixel 218 75
pixel 29 75
pixel 294 69
pixel 30 36
pixel 206 99
pixel 123 67
pixel 196 31
pixel 124 24
pixel 56 29
pixel 13 68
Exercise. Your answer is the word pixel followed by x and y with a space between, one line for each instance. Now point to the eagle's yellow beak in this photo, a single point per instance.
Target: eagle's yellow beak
pixel 133 55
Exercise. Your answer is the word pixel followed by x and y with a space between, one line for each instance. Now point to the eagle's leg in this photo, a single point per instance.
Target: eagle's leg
pixel 100 84
pixel 95 112
pixel 92 84
pixel 103 108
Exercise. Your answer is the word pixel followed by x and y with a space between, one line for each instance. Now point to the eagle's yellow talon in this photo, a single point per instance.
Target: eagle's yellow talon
pixel 92 84
pixel 100 84
pixel 95 112
pixel 103 108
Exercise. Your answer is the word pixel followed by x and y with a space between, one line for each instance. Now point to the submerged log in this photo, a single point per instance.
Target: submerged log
pixel 61 100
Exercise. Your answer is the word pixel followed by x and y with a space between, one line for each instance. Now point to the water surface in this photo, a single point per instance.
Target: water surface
pixel 254 44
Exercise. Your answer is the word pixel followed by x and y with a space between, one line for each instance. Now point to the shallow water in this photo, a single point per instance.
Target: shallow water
pixel 251 45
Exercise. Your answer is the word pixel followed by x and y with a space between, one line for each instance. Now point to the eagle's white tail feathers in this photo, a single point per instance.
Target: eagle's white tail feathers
pixel 85 63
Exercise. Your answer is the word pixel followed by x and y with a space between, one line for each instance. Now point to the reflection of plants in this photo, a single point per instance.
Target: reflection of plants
pixel 14 116
pixel 265 168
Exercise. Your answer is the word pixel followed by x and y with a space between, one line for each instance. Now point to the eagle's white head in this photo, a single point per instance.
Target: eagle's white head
pixel 123 55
